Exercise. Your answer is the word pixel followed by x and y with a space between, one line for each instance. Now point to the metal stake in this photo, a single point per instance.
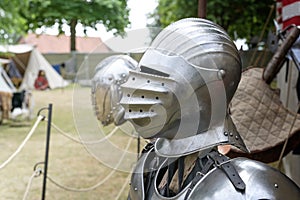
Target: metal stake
pixel 47 150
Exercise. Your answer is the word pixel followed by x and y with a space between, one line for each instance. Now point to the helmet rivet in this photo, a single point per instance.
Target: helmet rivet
pixel 221 74
pixel 225 133
pixel 231 134
pixel 236 137
pixel 276 185
pixel 135 189
pixel 123 75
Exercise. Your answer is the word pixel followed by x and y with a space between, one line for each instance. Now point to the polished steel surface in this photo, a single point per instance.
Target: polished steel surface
pixel 184 84
pixel 106 91
pixel 179 95
pixel 262 182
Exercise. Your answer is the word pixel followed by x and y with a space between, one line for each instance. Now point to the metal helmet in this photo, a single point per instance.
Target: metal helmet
pixel 181 92
pixel 110 73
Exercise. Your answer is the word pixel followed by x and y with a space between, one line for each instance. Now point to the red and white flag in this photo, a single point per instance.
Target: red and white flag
pixel 287 12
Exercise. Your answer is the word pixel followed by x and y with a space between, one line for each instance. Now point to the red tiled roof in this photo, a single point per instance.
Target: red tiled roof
pixel 61 44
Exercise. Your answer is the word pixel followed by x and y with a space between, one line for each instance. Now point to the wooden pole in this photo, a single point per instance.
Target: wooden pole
pixel 276 62
pixel 202 9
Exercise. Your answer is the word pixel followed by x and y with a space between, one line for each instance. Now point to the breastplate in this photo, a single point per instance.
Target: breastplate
pixel 259 181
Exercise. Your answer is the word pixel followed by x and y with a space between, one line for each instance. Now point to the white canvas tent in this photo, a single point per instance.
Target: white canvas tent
pixel 5 83
pixel 31 61
pixel 6 92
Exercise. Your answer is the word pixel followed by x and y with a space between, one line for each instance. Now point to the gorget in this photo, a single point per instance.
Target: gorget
pixel 225 133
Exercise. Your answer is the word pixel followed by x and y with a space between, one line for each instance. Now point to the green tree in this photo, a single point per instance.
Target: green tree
pixel 113 14
pixel 242 18
pixel 12 22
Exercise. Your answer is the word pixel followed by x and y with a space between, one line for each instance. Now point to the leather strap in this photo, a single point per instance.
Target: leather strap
pixel 216 159
pixel 180 172
pixel 223 163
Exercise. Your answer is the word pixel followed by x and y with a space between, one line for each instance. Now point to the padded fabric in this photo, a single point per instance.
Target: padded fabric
pixel 261 119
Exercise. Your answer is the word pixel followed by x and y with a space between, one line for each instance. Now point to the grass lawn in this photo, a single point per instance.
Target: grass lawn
pixel 71 164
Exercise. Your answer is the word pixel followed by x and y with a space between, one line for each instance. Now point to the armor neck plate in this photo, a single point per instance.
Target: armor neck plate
pixel 223 134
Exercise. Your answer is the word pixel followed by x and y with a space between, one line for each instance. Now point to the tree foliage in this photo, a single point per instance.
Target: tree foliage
pixel 113 14
pixel 243 18
pixel 12 22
